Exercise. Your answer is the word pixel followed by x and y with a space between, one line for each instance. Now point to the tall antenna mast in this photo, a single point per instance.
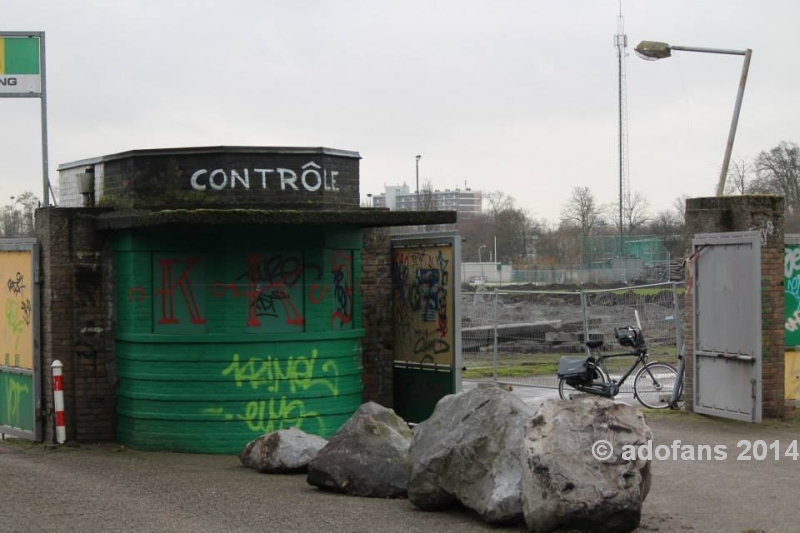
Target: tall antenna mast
pixel 621 44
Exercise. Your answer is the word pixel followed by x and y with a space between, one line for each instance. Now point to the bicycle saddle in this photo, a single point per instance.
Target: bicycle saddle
pixel 594 343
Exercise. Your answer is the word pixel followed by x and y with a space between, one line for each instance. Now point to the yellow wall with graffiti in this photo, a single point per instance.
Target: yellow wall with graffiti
pixel 423 283
pixel 792 374
pixel 16 339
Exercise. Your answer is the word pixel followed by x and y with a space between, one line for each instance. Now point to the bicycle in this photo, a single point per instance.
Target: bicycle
pixel 653 385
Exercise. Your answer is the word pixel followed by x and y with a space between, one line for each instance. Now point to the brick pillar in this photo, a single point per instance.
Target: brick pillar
pixel 747 213
pixel 76 322
pixel 376 287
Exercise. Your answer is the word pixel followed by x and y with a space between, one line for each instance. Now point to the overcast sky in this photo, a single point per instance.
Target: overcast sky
pixel 511 96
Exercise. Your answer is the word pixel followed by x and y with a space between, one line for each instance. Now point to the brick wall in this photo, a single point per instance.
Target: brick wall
pixel 376 288
pixel 76 322
pixel 736 214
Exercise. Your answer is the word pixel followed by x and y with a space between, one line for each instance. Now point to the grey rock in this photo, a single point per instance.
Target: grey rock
pixel 565 486
pixel 284 451
pixel 367 456
pixel 468 451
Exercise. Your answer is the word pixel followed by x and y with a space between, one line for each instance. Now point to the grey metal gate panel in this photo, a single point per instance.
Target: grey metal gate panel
pixel 727 325
pixel 20 357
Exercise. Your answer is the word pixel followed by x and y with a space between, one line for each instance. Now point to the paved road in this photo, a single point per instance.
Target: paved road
pixel 102 489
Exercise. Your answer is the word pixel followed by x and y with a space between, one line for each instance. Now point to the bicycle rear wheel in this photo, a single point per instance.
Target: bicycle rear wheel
pixel 598 375
pixel 654 383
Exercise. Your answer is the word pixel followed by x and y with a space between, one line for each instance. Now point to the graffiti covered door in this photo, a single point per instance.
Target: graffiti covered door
pixel 727 325
pixel 19 347
pixel 427 314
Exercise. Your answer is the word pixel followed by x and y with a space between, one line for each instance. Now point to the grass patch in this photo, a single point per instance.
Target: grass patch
pixel 511 371
pixel 25 445
pixel 648 291
pixel 543 364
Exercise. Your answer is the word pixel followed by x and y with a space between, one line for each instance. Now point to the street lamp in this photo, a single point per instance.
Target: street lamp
pixel 652 50
pixel 481 247
pixel 417 193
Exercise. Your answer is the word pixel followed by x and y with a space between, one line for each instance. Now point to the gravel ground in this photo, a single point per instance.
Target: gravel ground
pixel 104 488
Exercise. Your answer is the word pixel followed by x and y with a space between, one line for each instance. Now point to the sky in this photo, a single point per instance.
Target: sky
pixel 518 97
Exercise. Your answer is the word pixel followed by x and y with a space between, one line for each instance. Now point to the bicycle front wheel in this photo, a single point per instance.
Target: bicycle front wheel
pixel 654 383
pixel 598 376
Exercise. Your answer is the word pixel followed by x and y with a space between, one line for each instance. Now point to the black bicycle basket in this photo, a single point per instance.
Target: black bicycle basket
pixel 630 337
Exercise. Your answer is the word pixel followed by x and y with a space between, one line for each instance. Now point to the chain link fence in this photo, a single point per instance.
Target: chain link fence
pixel 517 337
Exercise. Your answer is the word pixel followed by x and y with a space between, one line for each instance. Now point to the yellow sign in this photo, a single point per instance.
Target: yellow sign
pixel 424 305
pixel 16 313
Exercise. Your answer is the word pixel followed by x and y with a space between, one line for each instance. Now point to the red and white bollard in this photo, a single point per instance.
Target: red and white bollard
pixel 58 400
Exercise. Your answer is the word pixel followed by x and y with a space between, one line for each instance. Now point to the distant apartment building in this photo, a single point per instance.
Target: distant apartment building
pixel 467 203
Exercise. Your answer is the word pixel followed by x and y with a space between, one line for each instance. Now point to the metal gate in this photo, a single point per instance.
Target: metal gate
pixel 20 397
pixel 727 325
pixel 427 314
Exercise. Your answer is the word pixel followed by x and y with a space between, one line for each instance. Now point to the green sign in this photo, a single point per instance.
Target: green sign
pixel 20 65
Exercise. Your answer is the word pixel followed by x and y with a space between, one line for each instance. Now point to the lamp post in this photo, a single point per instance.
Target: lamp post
pixel 417 193
pixel 652 50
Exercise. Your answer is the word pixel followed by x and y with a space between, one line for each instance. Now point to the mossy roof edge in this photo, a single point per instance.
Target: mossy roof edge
pixel 358 217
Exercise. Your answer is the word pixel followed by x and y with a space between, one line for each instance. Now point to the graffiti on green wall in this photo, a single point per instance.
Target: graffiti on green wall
pixel 274 291
pixel 281 379
pixel 16 395
pixel 791 274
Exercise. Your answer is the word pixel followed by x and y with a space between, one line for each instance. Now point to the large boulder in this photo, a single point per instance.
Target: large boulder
pixel 368 456
pixel 468 451
pixel 284 451
pixel 565 486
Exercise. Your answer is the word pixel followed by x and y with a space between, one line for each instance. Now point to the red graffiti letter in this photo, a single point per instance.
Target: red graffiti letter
pixel 167 291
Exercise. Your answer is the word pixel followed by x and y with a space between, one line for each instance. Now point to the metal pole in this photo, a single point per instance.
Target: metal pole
pixel 678 388
pixel 621 169
pixel 494 350
pixel 416 194
pixel 585 324
pixel 729 147
pixel 58 401
pixel 43 98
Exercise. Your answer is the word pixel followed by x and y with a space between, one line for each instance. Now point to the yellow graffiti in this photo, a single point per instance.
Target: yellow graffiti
pixel 297 373
pixel 289 414
pixel 14 321
pixel 281 377
pixel 13 400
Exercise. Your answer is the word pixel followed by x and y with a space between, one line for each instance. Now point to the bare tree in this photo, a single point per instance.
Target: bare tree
pixel 679 205
pixel 427 202
pixel 18 218
pixel 11 222
pixel 635 213
pixel 515 230
pixel 778 172
pixel 738 177
pixel 499 201
pixel 581 211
